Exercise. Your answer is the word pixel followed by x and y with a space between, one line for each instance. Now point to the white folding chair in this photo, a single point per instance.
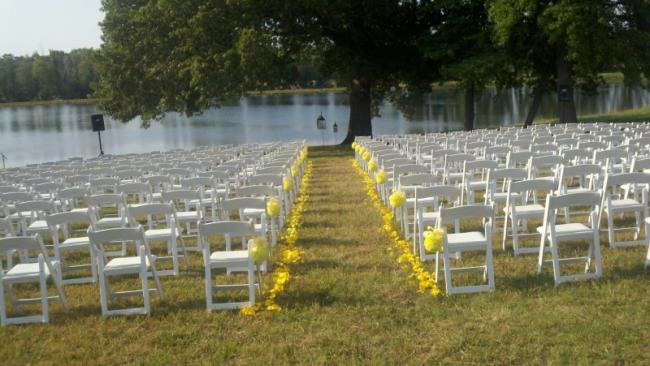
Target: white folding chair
pixel 168 231
pixel 224 259
pixel 427 202
pixel 143 264
pixel 63 224
pixel 570 232
pixel 521 206
pixel 474 241
pixel 34 272
pixel 618 200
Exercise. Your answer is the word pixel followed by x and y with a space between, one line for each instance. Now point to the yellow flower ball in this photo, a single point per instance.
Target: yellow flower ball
pixel 258 249
pixel 354 145
pixel 287 184
pixel 294 171
pixel 372 166
pixel 273 207
pixel 433 239
pixel 366 156
pixel 397 199
pixel 380 177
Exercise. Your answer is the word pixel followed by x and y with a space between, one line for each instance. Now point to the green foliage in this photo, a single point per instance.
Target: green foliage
pixel 594 36
pixel 43 77
pixel 189 55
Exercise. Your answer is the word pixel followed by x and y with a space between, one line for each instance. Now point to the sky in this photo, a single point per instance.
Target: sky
pixel 28 26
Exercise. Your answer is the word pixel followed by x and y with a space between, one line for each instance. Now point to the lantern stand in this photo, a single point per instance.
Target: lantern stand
pixel 4 159
pixel 335 129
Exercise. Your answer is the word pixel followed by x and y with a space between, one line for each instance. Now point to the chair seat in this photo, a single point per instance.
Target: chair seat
pixel 229 257
pixel 253 212
pixel 624 205
pixel 428 201
pixel 24 272
pixel 153 234
pixel 75 243
pixel 156 196
pixel 477 185
pixel 573 229
pixel 38 225
pixel 109 222
pixel 430 216
pixel 124 265
pixel 466 241
pixel 503 196
pixel 205 202
pixel 187 216
pixel 578 190
pixel 17 215
pixel 529 210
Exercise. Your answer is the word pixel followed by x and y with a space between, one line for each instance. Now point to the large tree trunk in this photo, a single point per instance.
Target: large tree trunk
pixel 566 104
pixel 360 111
pixel 538 93
pixel 469 107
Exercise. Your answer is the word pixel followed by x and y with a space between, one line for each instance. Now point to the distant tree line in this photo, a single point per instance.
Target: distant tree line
pixel 74 75
pixel 57 75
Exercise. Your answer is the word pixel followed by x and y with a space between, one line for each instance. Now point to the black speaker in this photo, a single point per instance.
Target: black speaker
pixel 98 122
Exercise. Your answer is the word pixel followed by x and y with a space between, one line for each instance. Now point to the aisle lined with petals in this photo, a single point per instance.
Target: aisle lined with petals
pixel 346 262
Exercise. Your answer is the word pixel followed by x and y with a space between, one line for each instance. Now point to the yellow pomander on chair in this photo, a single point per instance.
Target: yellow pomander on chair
pixel 366 156
pixel 294 171
pixel 433 239
pixel 380 177
pixel 372 166
pixel 354 146
pixel 287 184
pixel 397 199
pixel 258 249
pixel 273 207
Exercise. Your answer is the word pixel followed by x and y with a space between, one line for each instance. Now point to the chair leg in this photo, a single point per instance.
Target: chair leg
pixel 208 286
pixel 489 263
pixel 505 230
pixel 556 260
pixel 44 297
pixel 610 229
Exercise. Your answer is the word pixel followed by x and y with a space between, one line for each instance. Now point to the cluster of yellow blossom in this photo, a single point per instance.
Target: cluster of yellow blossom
pixel 290 254
pixel 405 258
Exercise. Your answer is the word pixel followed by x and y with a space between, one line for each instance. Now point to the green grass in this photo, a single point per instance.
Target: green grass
pixel 350 303
pixel 34 103
pixel 627 115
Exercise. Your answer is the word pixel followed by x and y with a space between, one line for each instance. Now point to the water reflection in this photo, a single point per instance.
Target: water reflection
pixel 45 133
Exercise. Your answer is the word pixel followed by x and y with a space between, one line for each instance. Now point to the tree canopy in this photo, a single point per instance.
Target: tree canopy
pixel 188 55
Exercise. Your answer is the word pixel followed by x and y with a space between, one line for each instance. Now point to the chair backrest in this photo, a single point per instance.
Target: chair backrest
pixel 116 235
pixel 240 203
pixel 65 218
pixel 106 199
pixel 148 209
pixel 21 243
pixel 421 179
pixel 255 191
pixel 448 215
pixel 233 228
pixel 272 179
pixel 554 202
pixel 36 206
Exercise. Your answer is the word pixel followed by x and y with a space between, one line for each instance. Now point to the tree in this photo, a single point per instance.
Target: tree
pixel 570 42
pixel 463 45
pixel 189 55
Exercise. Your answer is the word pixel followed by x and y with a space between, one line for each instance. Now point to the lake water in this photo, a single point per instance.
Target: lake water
pixel 46 133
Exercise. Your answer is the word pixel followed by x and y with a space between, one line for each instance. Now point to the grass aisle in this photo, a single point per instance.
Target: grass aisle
pixel 350 303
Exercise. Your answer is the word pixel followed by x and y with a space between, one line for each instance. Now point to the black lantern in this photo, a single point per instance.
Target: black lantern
pixel 320 122
pixel 335 128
